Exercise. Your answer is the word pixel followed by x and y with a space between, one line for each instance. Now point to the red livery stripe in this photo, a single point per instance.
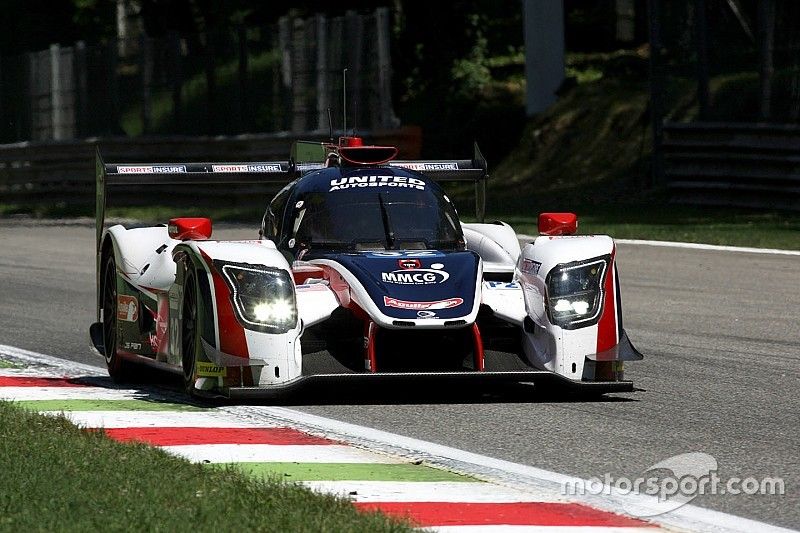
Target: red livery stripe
pixel 27 381
pixel 607 326
pixel 174 436
pixel 429 514
pixel 232 338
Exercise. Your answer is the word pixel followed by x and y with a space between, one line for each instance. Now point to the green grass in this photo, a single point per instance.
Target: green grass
pixel 6 364
pixel 56 477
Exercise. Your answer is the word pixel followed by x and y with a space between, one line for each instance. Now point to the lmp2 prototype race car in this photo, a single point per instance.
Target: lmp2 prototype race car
pixel 361 273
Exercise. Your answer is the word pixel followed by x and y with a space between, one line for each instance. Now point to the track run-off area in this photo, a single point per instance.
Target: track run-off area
pixel 718 328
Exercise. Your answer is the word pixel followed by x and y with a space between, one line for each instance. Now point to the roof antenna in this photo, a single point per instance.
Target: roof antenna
pixel 330 125
pixel 344 99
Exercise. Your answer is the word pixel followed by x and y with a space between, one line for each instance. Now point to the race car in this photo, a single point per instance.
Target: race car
pixel 361 272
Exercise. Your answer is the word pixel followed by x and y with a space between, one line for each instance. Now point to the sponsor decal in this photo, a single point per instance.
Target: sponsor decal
pixel 354 182
pixel 450 165
pixel 127 308
pixel 211 370
pixel 426 314
pixel 132 345
pixel 302 167
pixel 407 264
pixel 151 169
pixel 312 287
pixel 405 253
pixel 502 285
pixel 530 267
pixel 245 168
pixel 421 306
pixel 416 276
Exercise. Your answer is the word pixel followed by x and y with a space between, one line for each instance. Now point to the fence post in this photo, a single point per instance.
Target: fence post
pixel 81 83
pixel 113 126
pixel 147 79
pixel 322 72
pixel 355 28
pixel 284 101
pixel 300 75
pixel 766 37
pixel 656 88
pixel 55 92
pixel 211 84
pixel 244 90
pixel 386 116
pixel 176 79
pixel 701 36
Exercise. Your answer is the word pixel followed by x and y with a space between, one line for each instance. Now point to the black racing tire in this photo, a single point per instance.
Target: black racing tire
pixel 119 369
pixel 190 333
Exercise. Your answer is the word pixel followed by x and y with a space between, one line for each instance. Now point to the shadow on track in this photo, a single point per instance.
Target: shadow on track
pixel 162 387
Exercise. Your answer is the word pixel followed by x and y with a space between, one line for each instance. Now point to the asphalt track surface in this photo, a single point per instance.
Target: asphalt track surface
pixel 720 331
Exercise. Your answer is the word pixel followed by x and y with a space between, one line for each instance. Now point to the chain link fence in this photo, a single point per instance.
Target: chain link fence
pixel 725 81
pixel 280 78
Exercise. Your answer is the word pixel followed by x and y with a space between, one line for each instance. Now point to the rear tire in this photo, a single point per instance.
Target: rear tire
pixel 119 369
pixel 190 333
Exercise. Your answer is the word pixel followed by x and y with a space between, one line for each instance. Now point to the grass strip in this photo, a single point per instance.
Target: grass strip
pixel 6 364
pixel 349 472
pixel 57 477
pixel 106 405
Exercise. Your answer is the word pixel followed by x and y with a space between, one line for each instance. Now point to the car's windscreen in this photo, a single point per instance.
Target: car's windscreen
pixel 376 219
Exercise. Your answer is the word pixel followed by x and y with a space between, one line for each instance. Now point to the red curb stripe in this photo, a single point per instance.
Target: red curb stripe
pixel 176 436
pixel 27 381
pixel 429 514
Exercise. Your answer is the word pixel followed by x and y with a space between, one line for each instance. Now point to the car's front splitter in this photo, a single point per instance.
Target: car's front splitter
pixel 473 381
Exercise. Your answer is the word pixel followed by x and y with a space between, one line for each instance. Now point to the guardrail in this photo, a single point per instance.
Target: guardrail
pixel 746 165
pixel 64 171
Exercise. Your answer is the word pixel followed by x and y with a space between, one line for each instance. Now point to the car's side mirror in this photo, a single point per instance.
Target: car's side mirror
pixel 558 224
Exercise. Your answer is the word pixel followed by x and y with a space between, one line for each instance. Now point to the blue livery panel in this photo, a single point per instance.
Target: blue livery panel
pixel 414 284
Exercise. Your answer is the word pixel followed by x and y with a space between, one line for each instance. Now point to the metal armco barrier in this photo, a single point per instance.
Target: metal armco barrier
pixel 736 164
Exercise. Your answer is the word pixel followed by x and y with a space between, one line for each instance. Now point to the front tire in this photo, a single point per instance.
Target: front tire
pixel 190 333
pixel 119 369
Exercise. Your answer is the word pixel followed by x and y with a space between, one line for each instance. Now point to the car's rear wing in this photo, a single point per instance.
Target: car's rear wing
pixel 125 174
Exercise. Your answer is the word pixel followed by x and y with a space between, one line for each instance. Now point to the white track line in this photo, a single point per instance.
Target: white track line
pixel 276 453
pixel 689 245
pixel 429 491
pixel 715 247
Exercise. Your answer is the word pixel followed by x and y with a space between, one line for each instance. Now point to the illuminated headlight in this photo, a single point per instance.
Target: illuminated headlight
pixel 263 297
pixel 575 292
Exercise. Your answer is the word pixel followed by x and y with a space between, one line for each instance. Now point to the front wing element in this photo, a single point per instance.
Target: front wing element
pixel 442 380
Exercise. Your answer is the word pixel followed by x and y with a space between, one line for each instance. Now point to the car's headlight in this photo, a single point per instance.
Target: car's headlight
pixel 263 297
pixel 575 292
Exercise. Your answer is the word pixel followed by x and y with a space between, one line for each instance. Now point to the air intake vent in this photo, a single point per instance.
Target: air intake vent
pixel 403 323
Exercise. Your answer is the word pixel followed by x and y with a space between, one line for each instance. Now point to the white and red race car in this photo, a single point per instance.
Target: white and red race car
pixel 361 273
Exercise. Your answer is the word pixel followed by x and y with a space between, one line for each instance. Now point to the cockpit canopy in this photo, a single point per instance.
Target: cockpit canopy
pixel 363 209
